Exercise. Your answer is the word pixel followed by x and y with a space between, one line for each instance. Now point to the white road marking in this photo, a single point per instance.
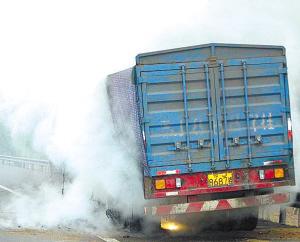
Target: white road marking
pixel 10 190
pixel 108 239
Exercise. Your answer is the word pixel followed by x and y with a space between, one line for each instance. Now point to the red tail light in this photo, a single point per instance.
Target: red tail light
pixel 269 174
pixel 290 130
pixel 290 134
pixel 170 183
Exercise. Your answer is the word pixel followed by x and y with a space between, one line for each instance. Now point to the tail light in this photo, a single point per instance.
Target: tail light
pixel 160 184
pixel 279 173
pixel 290 130
pixel 178 182
pixel 271 173
pixel 168 183
pixel 261 174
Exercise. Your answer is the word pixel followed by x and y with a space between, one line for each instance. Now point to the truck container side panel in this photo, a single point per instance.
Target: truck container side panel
pixel 214 107
pixel 125 114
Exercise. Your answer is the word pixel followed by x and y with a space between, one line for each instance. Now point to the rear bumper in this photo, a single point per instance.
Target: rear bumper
pixel 197 183
pixel 215 205
pixel 199 191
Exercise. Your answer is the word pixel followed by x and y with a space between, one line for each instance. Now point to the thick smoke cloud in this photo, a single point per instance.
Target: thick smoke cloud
pixel 54 57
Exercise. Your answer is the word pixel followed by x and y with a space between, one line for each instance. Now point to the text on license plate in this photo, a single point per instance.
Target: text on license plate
pixel 219 179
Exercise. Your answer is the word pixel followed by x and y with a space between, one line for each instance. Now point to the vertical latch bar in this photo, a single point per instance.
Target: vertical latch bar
pixel 145 123
pixel 186 116
pixel 224 113
pixel 247 110
pixel 212 153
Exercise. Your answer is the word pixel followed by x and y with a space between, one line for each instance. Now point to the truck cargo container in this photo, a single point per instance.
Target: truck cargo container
pixel 213 126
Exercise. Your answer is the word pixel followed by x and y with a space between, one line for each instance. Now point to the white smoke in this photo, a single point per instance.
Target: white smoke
pixel 100 169
pixel 53 56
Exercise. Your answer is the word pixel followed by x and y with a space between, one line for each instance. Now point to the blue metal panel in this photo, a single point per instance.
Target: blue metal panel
pixel 230 109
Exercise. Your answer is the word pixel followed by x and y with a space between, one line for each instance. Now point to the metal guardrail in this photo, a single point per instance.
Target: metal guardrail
pixel 40 167
pixel 43 166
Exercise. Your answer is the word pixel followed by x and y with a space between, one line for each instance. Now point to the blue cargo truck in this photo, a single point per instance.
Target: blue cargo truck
pixel 212 124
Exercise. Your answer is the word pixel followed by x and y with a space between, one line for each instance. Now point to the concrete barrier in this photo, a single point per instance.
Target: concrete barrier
pixel 290 216
pixel 270 213
pixel 284 215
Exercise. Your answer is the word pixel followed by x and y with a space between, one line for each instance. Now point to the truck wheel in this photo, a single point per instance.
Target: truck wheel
pixel 249 220
pixel 151 228
pixel 227 226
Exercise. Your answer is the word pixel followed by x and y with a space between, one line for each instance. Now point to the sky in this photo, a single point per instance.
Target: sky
pixel 53 48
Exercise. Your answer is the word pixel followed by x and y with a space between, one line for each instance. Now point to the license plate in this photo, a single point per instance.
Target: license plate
pixel 219 179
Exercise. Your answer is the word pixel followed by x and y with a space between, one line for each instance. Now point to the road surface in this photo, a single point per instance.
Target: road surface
pixel 265 231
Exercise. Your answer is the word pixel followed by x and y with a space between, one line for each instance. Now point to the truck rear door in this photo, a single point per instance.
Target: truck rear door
pixel 251 108
pixel 213 107
pixel 179 114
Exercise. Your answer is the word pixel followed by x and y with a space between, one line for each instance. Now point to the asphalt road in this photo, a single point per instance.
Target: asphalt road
pixel 265 231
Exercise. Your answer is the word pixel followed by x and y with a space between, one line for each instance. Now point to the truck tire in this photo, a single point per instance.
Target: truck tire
pixel 239 219
pixel 227 226
pixel 249 220
pixel 151 228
